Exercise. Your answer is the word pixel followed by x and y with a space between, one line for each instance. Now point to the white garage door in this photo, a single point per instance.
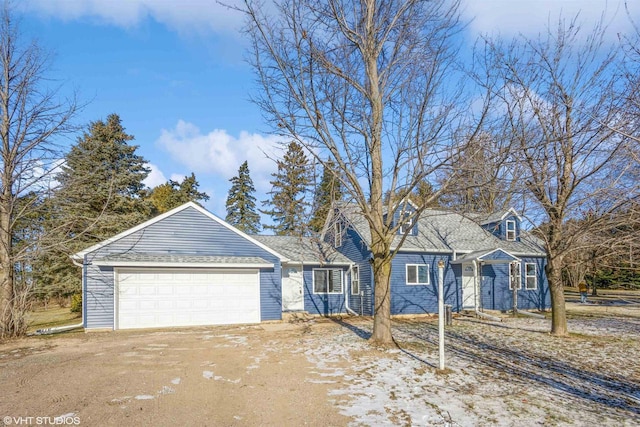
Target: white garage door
pixel 154 298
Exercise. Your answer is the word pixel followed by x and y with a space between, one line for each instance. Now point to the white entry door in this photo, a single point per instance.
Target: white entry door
pixel 292 289
pixel 469 293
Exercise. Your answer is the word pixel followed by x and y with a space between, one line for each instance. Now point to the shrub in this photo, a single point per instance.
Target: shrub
pixel 76 303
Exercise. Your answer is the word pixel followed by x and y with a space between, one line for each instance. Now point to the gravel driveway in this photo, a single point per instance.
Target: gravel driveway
pixel 324 372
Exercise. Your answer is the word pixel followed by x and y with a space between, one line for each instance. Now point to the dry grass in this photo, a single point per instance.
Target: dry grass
pixel 53 316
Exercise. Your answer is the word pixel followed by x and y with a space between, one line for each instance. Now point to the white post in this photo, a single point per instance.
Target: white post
pixel 441 312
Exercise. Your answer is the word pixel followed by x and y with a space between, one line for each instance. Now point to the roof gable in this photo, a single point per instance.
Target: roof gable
pixel 160 218
pixel 497 255
pixel 500 216
pixel 442 231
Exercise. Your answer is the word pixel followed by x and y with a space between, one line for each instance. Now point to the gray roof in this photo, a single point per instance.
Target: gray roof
pixel 304 249
pixel 494 217
pixel 178 259
pixel 445 231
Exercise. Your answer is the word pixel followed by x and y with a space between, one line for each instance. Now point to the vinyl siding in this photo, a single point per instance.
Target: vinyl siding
pixel 356 250
pixel 421 299
pixel 495 292
pixel 185 232
pixel 324 304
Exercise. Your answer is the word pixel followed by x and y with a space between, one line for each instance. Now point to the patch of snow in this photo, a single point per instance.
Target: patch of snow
pixel 513 373
pixel 207 374
pixel 167 390
pixel 175 381
pixel 144 397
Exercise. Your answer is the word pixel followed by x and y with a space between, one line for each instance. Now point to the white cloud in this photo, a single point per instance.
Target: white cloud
pixel 220 154
pixel 511 17
pixel 202 16
pixel 178 177
pixel 155 177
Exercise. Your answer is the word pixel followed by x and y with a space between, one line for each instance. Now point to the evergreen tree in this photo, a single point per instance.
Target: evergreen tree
pixel 241 204
pixel 100 195
pixel 172 194
pixel 328 190
pixel 289 193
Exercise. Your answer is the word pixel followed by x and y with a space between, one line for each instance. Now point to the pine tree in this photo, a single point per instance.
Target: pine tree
pixel 241 203
pixel 289 193
pixel 172 194
pixel 100 195
pixel 328 190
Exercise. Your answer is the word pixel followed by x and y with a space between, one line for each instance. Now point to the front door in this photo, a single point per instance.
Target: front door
pixel 292 289
pixel 469 294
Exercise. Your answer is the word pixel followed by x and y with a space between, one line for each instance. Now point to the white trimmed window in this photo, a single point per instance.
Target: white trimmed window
pixel 417 274
pixel 355 280
pixel 327 281
pixel 530 276
pixel 511 230
pixel 407 224
pixel 514 276
pixel 337 235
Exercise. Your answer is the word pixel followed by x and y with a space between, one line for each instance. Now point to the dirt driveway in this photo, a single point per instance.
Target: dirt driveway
pixel 324 373
pixel 206 377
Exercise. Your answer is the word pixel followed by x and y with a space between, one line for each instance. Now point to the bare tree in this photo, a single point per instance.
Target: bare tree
pixel 560 97
pixel 363 84
pixel 30 116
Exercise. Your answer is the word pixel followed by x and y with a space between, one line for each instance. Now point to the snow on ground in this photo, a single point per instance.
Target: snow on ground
pixel 511 373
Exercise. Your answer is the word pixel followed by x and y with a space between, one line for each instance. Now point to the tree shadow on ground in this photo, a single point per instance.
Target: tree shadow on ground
pixel 359 332
pixel 531 365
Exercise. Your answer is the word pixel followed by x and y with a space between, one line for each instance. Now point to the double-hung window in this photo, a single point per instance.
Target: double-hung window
pixel 511 230
pixel 355 280
pixel 417 274
pixel 337 235
pixel 531 280
pixel 327 281
pixel 407 224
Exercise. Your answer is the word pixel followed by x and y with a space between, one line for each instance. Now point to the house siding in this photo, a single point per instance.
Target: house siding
pixel 186 232
pixel 421 299
pixel 356 250
pixel 495 292
pixel 324 304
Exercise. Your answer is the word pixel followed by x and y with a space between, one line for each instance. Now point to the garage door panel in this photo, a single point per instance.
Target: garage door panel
pixel 148 298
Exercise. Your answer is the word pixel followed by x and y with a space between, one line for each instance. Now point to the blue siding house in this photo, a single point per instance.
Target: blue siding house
pixel 188 267
pixel 490 263
pixel 185 267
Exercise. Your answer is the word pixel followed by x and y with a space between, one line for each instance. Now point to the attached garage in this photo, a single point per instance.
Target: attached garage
pixel 151 298
pixel 186 267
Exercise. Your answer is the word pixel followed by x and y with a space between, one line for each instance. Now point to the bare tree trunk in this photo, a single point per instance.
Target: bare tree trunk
pixel 382 292
pixel 558 313
pixel 6 273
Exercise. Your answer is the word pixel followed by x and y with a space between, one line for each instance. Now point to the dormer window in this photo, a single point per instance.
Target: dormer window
pixel 337 235
pixel 407 224
pixel 511 230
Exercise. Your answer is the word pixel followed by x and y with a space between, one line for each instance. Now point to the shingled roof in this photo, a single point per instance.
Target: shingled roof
pixel 304 250
pixel 445 231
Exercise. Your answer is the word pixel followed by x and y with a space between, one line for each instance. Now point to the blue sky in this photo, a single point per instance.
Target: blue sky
pixel 174 72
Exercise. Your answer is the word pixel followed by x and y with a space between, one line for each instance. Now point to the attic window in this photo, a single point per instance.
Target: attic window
pixel 407 224
pixel 337 235
pixel 511 230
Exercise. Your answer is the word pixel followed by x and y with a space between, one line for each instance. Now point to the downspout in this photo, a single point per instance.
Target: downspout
pixel 58 329
pixel 347 292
